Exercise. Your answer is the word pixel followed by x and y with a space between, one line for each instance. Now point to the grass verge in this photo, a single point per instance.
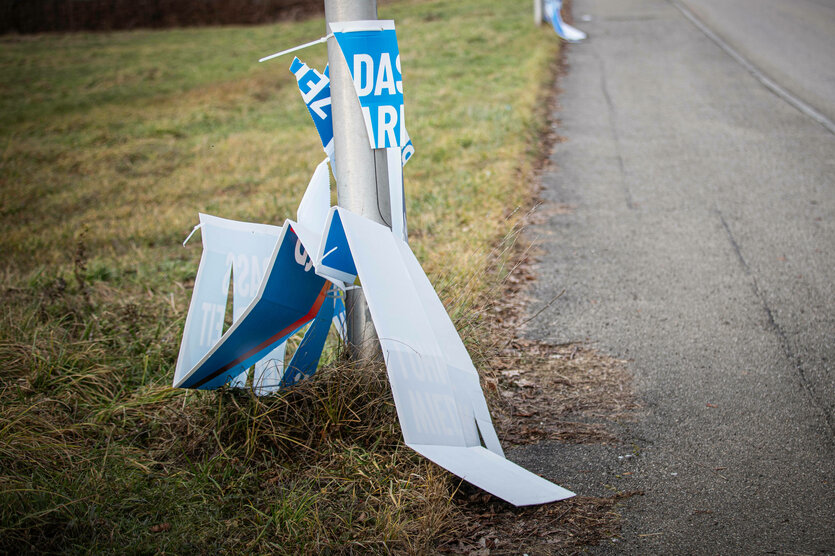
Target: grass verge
pixel 109 145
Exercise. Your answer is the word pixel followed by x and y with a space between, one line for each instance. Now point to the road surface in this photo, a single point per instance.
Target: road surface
pixel 695 237
pixel 792 43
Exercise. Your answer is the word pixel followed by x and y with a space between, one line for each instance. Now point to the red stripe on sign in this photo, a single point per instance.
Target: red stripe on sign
pixel 275 337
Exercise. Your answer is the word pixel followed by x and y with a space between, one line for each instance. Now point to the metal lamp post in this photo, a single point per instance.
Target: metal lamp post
pixel 361 172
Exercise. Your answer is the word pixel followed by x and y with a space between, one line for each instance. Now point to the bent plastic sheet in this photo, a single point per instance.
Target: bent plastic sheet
pixel 230 248
pixel 440 405
pixel 275 294
pixel 314 88
pixel 565 31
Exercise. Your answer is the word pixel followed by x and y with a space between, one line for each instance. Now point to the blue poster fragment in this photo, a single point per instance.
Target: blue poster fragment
pixel 408 149
pixel 290 297
pixel 236 252
pixel 316 93
pixel 315 89
pixel 306 358
pixel 247 256
pixel 334 260
pixel 373 57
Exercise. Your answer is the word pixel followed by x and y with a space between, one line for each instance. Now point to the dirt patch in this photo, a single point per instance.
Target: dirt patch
pixel 541 391
pixel 495 527
pixel 568 393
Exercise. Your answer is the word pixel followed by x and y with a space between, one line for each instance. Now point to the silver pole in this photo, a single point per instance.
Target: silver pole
pixel 361 175
pixel 537 12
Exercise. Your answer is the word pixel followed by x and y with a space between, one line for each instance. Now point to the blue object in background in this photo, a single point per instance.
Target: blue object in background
pixel 566 32
pixel 315 89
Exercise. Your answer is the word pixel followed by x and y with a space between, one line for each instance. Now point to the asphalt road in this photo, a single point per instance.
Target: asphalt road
pixel 692 224
pixel 792 43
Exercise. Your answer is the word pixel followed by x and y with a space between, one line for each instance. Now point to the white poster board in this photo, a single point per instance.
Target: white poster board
pixel 440 405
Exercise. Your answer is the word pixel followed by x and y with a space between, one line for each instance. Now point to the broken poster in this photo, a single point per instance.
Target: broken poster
pixel 316 93
pixel 566 32
pixel 256 258
pixel 441 408
pixel 440 405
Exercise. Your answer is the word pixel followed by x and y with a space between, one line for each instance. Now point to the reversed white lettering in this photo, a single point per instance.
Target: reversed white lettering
pixel 302 257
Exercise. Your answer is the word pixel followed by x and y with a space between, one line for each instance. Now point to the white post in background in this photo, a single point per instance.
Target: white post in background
pixel 361 172
pixel 537 12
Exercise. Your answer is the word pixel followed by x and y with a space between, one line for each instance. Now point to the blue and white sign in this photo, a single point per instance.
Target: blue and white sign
pixel 289 298
pixel 565 31
pixel 236 252
pixel 370 49
pixel 442 411
pixel 291 277
pixel 275 291
pixel 315 89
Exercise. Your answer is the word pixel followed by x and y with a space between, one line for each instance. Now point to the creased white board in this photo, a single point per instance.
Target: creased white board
pixel 440 405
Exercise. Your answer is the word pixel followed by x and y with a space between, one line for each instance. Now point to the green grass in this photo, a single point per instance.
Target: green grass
pixel 109 146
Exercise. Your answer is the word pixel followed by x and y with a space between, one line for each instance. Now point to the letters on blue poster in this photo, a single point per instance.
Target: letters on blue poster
pixel 316 92
pixel 315 89
pixel 370 49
